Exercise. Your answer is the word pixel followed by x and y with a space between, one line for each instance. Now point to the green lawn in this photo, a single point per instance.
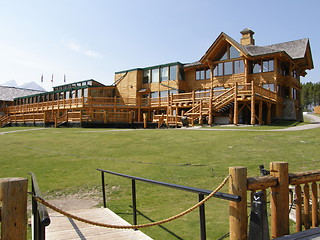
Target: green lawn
pixel 66 160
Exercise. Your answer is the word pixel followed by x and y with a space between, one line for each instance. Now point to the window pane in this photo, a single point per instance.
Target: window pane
pixel 198 75
pixel 256 68
pixel 208 72
pixel 173 92
pixel 146 76
pixel 224 57
pixel 238 66
pixel 271 65
pixel 173 72
pixel 154 94
pixel 234 53
pixel 163 93
pixel 265 66
pixel 202 74
pixel 228 68
pixel 155 75
pixel 164 74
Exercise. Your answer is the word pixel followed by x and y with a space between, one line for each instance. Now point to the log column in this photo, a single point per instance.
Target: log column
pixel 280 200
pixel 238 220
pixel 13 195
pixel 236 110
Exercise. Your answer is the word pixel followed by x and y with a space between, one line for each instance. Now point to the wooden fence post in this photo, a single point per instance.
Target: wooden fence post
pixel 13 195
pixel 238 219
pixel 280 200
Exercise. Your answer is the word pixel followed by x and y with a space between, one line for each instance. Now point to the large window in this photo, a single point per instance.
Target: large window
pixel 146 76
pixel 155 75
pixel 173 72
pixel 202 74
pixel 238 66
pixel 260 66
pixel 164 74
pixel 228 68
pixel 228 52
pixel 160 74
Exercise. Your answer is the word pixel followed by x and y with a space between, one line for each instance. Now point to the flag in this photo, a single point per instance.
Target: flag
pixel 42 78
pixel 52 78
pixel 64 78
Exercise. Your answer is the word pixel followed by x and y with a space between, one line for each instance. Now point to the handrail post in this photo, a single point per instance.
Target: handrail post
pixel 13 195
pixel 238 220
pixel 103 190
pixel 279 202
pixel 134 202
pixel 202 216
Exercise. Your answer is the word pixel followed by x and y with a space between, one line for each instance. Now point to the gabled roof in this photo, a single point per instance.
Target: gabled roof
pixel 9 93
pixel 296 50
pixel 221 39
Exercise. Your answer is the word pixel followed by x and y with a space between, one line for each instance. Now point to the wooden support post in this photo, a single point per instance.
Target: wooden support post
pixel 238 219
pixel 144 120
pixel 260 112
pixel 235 107
pixel 13 195
pixel 253 104
pixel 279 200
pixel 269 113
pixel 315 205
pixel 298 208
pixel 306 206
pixel 210 120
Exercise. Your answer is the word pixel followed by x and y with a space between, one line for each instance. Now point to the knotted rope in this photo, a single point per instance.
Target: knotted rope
pixel 54 208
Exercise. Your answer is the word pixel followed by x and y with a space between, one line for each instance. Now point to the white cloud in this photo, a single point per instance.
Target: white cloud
pixel 77 48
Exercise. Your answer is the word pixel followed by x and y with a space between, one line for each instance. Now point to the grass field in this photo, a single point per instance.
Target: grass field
pixel 65 160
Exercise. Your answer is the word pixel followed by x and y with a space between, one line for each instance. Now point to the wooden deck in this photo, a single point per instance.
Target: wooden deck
pixel 63 228
pixel 311 234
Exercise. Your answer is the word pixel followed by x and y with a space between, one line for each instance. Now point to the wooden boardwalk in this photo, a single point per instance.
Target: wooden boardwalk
pixel 311 234
pixel 63 228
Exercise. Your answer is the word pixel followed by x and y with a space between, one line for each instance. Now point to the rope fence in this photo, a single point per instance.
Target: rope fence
pixel 54 208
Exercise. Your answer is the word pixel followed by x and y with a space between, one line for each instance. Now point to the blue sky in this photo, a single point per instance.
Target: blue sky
pixel 93 39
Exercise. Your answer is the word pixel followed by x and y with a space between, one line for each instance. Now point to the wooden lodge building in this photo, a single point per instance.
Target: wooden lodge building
pixel 232 83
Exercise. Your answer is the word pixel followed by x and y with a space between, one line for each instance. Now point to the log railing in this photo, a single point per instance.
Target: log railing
pixel 305 199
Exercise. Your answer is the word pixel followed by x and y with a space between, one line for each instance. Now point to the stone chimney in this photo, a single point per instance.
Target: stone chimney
pixel 247 37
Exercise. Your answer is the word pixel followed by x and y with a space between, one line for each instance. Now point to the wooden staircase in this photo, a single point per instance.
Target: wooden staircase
pixel 4 121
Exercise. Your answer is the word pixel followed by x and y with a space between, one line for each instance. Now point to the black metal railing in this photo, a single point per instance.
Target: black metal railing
pixel 40 216
pixel 201 193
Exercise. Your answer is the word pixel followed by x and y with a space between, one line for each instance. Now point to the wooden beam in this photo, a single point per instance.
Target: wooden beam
pixel 235 107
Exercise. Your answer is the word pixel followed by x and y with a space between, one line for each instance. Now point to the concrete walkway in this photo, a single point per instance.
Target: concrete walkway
pixel 315 123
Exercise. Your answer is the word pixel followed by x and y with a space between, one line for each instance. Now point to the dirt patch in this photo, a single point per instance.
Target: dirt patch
pixel 74 199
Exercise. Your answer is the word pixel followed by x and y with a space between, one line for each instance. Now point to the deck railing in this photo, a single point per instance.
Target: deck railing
pixel 201 193
pixel 40 216
pixel 305 205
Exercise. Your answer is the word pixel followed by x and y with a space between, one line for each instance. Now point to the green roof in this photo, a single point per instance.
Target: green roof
pixel 56 91
pixel 152 67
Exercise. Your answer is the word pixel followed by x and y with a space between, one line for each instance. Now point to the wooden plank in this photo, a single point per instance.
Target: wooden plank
pixel 62 227
pixel 312 234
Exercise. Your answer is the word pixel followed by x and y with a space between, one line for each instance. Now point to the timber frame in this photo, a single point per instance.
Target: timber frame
pixel 232 83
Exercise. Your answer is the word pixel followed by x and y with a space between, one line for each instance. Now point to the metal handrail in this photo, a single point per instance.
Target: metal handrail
pixel 199 191
pixel 40 214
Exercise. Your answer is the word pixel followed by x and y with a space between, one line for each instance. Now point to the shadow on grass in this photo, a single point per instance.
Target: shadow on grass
pixel 151 220
pixel 285 123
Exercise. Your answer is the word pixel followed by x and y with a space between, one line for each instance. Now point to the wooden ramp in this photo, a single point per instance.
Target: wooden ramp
pixel 63 228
